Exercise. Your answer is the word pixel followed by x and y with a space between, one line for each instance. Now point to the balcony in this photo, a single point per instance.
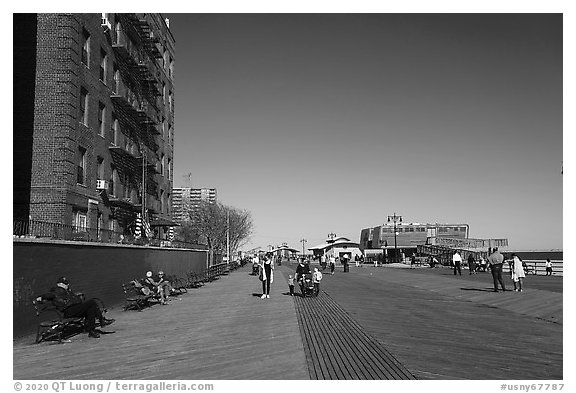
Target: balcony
pixel 124 160
pixel 138 118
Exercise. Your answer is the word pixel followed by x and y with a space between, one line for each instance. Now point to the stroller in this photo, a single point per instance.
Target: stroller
pixel 307 285
pixel 255 270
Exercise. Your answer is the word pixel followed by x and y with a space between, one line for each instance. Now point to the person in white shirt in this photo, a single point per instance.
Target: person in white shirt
pixel 548 267
pixel 517 273
pixel 316 278
pixel 332 263
pixel 457 261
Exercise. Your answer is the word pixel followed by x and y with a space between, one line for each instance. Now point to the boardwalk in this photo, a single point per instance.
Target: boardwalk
pixel 445 327
pixel 367 324
pixel 220 331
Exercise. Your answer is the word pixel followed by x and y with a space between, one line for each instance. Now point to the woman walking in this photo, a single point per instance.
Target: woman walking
pixel 266 275
pixel 517 272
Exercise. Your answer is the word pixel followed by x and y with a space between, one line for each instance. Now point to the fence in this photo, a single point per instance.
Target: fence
pixel 56 231
pixel 40 229
pixel 538 267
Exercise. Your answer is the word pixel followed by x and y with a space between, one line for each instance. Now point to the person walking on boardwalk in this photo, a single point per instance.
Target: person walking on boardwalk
pixel 495 261
pixel 413 261
pixel 332 263
pixel 291 284
pixel 323 262
pixel 457 261
pixel 517 272
pixel 471 264
pixel 548 267
pixel 266 274
pixel 301 269
pixel 316 278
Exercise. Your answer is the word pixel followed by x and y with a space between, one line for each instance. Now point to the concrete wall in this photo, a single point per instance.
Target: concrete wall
pixel 97 270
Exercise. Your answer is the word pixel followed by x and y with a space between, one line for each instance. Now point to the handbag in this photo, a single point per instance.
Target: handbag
pixel 261 276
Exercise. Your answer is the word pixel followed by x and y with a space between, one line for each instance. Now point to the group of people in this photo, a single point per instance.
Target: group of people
pixel 495 262
pixel 159 285
pixel 324 261
pixel 265 264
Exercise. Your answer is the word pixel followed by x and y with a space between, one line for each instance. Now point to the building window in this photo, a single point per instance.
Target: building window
pixel 163 93
pixel 103 66
pixel 171 69
pixel 116 87
pixel 170 101
pixel 85 48
pixel 162 201
pixel 112 184
pixel 169 169
pixel 81 162
pixel 101 119
pixel 84 106
pixel 127 191
pixel 114 129
pixel 80 221
pixel 169 133
pixel 100 163
pixel 117 33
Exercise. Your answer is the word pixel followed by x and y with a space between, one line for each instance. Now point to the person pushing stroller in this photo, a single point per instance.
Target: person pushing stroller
pixel 302 269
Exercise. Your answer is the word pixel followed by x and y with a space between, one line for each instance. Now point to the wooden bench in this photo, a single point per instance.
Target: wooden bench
pixel 53 325
pixel 134 297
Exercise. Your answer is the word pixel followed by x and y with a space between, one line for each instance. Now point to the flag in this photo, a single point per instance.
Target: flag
pixel 138 229
pixel 147 230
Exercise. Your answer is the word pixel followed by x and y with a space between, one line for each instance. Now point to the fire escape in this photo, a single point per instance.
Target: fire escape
pixel 134 98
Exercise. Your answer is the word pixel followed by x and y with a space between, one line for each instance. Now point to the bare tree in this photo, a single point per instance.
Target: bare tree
pixel 208 224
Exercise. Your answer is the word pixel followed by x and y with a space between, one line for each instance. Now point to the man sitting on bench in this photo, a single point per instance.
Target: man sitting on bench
pixel 72 306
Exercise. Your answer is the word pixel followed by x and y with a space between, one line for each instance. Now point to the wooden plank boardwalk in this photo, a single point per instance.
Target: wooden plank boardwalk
pixel 370 323
pixel 218 332
pixel 338 348
pixel 444 327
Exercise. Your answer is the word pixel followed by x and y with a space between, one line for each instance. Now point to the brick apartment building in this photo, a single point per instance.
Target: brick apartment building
pixel 93 118
pixel 186 200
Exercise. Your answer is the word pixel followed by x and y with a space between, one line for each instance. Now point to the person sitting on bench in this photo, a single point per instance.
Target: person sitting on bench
pixel 72 306
pixel 156 286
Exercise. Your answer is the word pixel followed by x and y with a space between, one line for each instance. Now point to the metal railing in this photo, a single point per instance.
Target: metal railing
pixel 41 229
pixel 56 231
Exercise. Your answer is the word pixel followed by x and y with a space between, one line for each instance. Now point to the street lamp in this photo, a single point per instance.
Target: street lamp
pixel 303 241
pixel 332 236
pixel 395 219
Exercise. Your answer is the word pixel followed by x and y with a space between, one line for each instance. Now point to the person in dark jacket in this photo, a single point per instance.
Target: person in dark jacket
pixel 471 264
pixel 301 269
pixel 72 305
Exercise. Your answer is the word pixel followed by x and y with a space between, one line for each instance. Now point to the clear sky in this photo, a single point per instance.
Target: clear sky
pixel 320 123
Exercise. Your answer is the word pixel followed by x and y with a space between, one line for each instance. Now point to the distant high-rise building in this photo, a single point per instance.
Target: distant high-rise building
pixel 93 118
pixel 186 201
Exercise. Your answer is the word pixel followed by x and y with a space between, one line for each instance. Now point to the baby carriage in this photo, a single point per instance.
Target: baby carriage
pixel 307 285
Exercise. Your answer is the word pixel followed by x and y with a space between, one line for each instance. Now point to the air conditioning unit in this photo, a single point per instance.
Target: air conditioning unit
pixel 101 185
pixel 105 23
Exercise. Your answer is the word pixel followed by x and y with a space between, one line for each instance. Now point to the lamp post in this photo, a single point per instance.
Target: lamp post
pixel 303 241
pixel 395 219
pixel 332 236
